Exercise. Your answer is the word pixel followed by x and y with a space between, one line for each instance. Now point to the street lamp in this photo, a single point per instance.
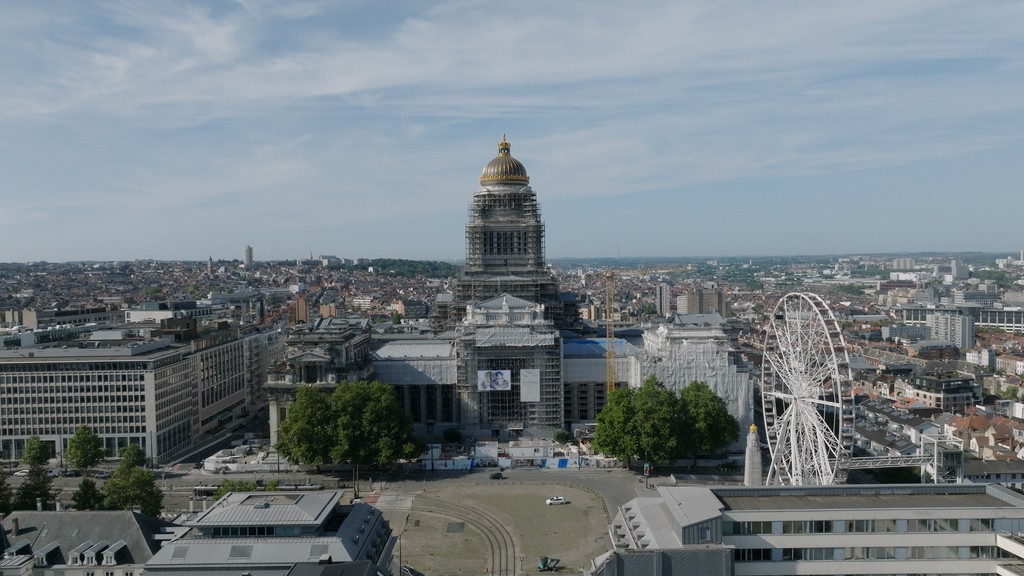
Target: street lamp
pixel 405 526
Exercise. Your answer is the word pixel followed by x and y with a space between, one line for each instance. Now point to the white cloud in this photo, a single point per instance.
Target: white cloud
pixel 378 110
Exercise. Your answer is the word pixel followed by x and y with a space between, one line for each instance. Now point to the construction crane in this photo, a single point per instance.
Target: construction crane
pixel 609 323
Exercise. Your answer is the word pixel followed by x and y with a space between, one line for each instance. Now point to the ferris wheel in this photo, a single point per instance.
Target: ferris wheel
pixel 805 395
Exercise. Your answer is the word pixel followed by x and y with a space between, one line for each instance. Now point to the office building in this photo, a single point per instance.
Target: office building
pixel 247 257
pixel 848 529
pixel 165 392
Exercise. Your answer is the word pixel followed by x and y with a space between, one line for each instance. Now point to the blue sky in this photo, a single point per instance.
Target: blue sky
pixel 178 130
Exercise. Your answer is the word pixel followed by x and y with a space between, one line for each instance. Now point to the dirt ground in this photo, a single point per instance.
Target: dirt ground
pixel 574 532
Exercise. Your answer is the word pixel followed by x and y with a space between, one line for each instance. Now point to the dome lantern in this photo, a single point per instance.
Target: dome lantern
pixel 504 169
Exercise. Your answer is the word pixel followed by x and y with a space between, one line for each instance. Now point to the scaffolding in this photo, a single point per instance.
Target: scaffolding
pixel 504 233
pixel 509 335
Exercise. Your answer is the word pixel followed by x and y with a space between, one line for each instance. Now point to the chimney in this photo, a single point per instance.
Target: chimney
pixel 15 527
pixel 39 504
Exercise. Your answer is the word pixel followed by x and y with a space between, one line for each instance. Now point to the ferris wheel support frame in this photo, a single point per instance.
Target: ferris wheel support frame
pixel 806 398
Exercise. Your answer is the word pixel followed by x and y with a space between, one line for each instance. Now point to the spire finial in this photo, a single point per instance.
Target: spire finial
pixel 504 147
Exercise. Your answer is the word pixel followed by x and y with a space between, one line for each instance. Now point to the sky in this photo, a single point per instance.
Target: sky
pixel 185 130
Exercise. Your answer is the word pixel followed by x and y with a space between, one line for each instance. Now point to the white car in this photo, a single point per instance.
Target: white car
pixel 556 500
pixel 53 473
pixel 21 473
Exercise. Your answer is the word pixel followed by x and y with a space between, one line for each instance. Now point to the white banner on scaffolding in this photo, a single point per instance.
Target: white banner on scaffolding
pixel 529 385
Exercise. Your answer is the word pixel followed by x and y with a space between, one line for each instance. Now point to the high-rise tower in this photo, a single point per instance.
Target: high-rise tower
pixel 504 248
pixel 247 256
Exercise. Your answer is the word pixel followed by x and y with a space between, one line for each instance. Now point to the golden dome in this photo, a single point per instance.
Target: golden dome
pixel 504 169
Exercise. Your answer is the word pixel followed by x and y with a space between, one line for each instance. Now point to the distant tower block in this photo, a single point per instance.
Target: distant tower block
pixel 247 256
pixel 752 462
pixel 209 266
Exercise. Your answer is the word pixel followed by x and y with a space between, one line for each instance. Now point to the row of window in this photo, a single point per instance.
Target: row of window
pixel 873 526
pixel 256 531
pixel 122 406
pixel 85 388
pixel 869 553
pixel 98 428
pixel 73 367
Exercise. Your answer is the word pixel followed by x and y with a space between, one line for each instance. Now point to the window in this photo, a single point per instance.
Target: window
pixel 753 555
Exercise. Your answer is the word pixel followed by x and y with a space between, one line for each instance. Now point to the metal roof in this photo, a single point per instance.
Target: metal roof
pixel 269 508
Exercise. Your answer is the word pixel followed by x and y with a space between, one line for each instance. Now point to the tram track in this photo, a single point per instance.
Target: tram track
pixel 500 541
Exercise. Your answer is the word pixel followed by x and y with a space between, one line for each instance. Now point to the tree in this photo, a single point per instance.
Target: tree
pixel 132 456
pixel 37 452
pixel 561 436
pixel 85 449
pixel 88 496
pixel 361 422
pixel 234 486
pixel 6 495
pixel 371 427
pixel 307 434
pixel 614 433
pixel 130 486
pixel 709 426
pixel 642 423
pixel 658 422
pixel 452 435
pixel 38 485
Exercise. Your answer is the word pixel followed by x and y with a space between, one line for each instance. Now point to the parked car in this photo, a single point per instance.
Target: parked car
pixel 53 473
pixel 496 476
pixel 21 473
pixel 556 500
pixel 72 474
pixel 102 474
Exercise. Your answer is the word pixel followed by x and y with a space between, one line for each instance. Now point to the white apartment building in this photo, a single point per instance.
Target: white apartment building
pixel 957 328
pixel 846 529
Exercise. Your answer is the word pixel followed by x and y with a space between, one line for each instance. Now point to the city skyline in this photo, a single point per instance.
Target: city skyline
pixel 178 132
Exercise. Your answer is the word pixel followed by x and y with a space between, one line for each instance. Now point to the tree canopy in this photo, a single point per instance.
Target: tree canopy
pixel 360 422
pixel 709 427
pixel 37 452
pixel 130 486
pixel 85 449
pixel 657 425
pixel 642 423
pixel 132 456
pixel 88 496
pixel 307 434
pixel 38 485
pixel 6 495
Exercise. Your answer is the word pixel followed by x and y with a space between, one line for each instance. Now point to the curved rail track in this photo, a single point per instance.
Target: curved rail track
pixel 501 544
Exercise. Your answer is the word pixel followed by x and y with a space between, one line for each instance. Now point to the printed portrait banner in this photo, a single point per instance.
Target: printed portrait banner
pixel 491 380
